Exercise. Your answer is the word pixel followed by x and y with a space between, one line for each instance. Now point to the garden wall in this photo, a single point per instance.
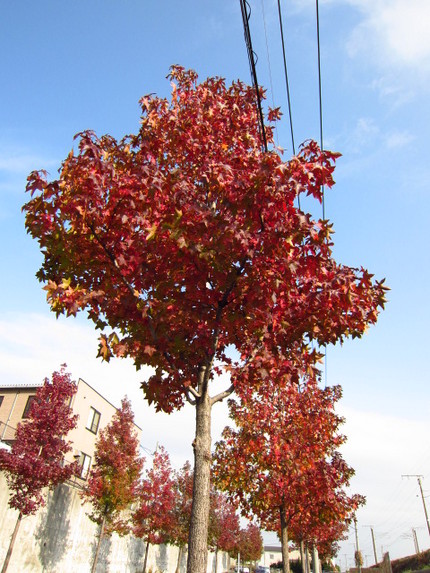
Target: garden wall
pixel 60 538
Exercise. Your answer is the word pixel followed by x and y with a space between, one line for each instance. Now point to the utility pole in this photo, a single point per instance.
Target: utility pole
pixel 373 543
pixel 422 496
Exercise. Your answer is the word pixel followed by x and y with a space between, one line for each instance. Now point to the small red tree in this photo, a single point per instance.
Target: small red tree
pixel 180 529
pixel 36 460
pixel 250 544
pixel 184 240
pixel 223 525
pixel 113 480
pixel 153 518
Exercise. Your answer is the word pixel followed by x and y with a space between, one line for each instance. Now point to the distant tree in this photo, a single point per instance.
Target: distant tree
pixel 180 530
pixel 224 525
pixel 113 480
pixel 250 544
pixel 153 518
pixel 328 509
pixel 184 240
pixel 36 460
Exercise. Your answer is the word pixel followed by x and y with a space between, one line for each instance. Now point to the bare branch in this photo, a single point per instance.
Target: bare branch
pixel 193 391
pixel 219 397
pixel 189 399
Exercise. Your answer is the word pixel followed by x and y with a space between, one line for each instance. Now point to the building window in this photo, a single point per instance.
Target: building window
pixel 30 401
pixel 93 421
pixel 1 400
pixel 85 464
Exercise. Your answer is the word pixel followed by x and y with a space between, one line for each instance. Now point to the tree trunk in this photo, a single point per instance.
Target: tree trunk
pixel 302 556
pixel 146 557
pixel 11 544
pixel 178 564
pixel 308 569
pixel 198 536
pixel 284 543
pixel 315 559
pixel 99 542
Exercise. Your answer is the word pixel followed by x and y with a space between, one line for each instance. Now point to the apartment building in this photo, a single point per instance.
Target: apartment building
pixel 94 412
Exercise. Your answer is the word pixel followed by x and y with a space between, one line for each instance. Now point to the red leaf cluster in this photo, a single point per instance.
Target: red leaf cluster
pixel 36 460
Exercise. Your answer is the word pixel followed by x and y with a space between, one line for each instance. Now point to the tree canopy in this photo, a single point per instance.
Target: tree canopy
pixel 184 240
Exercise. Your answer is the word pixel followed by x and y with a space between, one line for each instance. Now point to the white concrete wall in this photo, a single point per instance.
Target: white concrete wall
pixel 60 538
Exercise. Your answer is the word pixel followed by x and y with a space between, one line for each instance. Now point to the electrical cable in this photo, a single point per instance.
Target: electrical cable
pixel 287 85
pixel 286 77
pixel 321 140
pixel 246 14
pixel 320 96
pixel 269 65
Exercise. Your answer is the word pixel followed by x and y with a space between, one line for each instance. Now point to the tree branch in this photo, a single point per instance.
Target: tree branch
pixel 193 391
pixel 219 397
pixel 189 399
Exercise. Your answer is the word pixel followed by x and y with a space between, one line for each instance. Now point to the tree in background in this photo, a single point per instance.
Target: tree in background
pixel 281 462
pixel 224 525
pixel 250 544
pixel 153 518
pixel 36 460
pixel 113 480
pixel 184 241
pixel 327 509
pixel 180 530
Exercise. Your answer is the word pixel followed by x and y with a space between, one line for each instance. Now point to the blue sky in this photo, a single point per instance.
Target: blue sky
pixel 71 66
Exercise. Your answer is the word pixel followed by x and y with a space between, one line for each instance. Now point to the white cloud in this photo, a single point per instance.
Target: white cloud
pixel 397 139
pixel 394 32
pixel 15 161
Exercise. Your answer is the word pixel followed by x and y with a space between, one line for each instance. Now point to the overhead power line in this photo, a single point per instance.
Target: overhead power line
pixel 246 14
pixel 286 77
pixel 320 96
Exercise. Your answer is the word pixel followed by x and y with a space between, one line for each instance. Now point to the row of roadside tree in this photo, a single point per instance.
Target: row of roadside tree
pixel 279 465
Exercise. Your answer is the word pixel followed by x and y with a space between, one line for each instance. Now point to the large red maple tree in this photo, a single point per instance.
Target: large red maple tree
pixel 36 459
pixel 183 241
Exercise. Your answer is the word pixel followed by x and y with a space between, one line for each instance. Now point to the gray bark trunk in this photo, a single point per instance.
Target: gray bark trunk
pixel 315 560
pixel 178 564
pixel 99 542
pixel 198 536
pixel 284 543
pixel 302 556
pixel 145 561
pixel 11 544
